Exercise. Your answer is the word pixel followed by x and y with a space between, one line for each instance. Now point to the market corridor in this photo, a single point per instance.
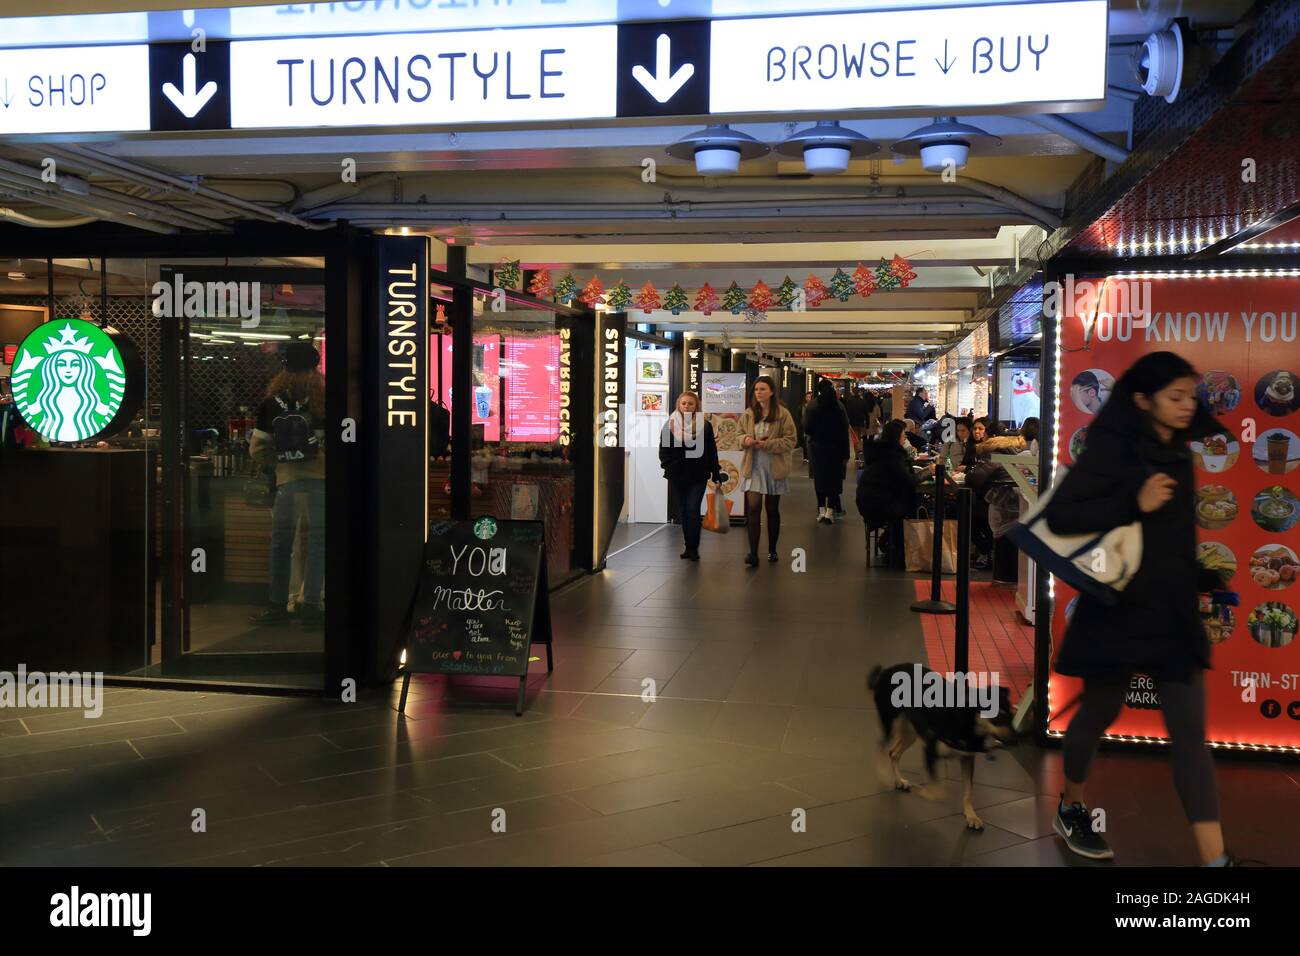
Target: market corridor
pixel 760 712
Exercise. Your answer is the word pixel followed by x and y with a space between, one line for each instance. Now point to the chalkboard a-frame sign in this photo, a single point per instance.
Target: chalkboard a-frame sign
pixel 482 602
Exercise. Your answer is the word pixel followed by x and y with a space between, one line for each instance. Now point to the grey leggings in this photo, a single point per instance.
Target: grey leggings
pixel 1183 705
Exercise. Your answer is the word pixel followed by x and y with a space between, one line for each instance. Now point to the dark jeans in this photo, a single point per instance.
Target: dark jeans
pixel 307 494
pixel 689 494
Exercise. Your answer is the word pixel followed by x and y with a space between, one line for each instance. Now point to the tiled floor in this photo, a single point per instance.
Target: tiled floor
pixel 758 748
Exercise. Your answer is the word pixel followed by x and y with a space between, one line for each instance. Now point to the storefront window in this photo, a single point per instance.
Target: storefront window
pixel 187 540
pixel 520 468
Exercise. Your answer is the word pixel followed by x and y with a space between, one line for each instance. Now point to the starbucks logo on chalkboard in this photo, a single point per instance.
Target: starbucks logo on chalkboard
pixel 485 527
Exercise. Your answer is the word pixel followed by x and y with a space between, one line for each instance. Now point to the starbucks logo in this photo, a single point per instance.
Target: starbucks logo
pixel 485 528
pixel 68 380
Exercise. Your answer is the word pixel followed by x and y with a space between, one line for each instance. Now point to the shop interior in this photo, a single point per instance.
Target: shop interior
pixel 185 529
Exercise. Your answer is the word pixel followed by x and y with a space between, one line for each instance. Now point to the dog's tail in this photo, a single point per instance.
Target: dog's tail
pixel 874 677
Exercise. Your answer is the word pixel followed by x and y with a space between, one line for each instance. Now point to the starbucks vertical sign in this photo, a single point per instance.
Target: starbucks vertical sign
pixel 69 380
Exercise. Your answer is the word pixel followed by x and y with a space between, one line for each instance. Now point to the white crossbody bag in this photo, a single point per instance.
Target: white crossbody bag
pixel 1099 565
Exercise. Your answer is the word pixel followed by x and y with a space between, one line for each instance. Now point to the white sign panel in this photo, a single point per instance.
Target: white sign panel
pixel 957 57
pixel 490 76
pixel 74 89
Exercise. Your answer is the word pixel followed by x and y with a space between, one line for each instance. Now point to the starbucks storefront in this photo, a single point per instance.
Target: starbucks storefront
pixel 174 473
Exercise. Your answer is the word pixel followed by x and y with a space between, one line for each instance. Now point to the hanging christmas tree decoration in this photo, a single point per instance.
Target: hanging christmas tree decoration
pixel 594 294
pixel 540 285
pixel 841 285
pixel 508 274
pixel 566 290
pixel 886 280
pixel 619 296
pixel 814 291
pixel 734 299
pixel 760 297
pixel 648 298
pixel 903 269
pixel 864 283
pixel 706 300
pixel 675 300
pixel 786 292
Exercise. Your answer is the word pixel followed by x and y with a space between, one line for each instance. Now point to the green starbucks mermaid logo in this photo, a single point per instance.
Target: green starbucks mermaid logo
pixel 68 380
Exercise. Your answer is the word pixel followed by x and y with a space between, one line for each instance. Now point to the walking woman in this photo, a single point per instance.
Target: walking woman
pixel 827 428
pixel 768 436
pixel 688 455
pixel 1137 468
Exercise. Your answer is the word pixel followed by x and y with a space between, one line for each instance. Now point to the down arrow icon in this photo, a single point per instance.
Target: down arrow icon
pixel 189 100
pixel 664 83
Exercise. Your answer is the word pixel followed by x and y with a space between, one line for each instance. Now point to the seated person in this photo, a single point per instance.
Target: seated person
pixel 989 441
pixel 887 489
pixel 1029 432
pixel 916 442
pixel 961 450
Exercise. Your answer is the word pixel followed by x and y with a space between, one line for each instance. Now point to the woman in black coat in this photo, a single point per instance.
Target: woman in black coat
pixel 688 454
pixel 1137 467
pixel 887 489
pixel 827 428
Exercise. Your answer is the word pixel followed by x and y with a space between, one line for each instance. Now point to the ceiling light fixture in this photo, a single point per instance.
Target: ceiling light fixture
pixel 717 150
pixel 945 143
pixel 827 147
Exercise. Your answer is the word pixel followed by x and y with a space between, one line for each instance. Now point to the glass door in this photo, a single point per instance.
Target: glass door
pixel 242 479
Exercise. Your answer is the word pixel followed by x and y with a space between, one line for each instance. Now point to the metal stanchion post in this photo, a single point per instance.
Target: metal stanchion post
pixel 935 604
pixel 961 649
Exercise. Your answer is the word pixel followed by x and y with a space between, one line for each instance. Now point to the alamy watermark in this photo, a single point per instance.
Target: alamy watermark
pixel 920 687
pixel 1089 299
pixel 67 689
pixel 241 300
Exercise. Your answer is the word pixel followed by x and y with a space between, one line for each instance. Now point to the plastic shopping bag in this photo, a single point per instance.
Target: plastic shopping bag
pixel 718 516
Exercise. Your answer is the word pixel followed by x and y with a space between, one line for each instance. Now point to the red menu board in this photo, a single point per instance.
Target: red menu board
pixel 487 383
pixel 531 369
pixel 1240 334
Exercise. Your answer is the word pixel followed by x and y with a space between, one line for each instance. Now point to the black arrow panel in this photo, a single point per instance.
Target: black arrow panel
pixel 167 65
pixel 638 46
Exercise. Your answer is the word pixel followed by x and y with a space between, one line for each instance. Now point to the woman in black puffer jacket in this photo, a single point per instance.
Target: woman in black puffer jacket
pixel 1137 467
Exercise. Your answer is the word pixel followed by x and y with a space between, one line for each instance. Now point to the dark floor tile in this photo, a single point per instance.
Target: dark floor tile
pixel 668 715
pixel 756 725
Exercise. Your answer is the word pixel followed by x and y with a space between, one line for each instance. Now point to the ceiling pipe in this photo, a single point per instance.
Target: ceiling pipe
pixel 690 210
pixel 110 199
pixel 83 207
pixel 1044 216
pixel 109 165
pixel 328 194
pixel 13 215
pixel 1079 136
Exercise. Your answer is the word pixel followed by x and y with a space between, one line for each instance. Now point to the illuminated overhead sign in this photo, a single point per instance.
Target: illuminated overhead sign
pixel 1001 56
pixel 960 57
pixel 421 78
pixel 74 89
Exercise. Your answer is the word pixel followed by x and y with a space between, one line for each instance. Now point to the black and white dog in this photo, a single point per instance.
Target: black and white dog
pixel 915 702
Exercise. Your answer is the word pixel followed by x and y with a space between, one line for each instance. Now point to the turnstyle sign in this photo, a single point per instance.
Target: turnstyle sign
pixel 481 601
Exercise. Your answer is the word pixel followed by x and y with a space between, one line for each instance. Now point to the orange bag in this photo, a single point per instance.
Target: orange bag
pixel 717 517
